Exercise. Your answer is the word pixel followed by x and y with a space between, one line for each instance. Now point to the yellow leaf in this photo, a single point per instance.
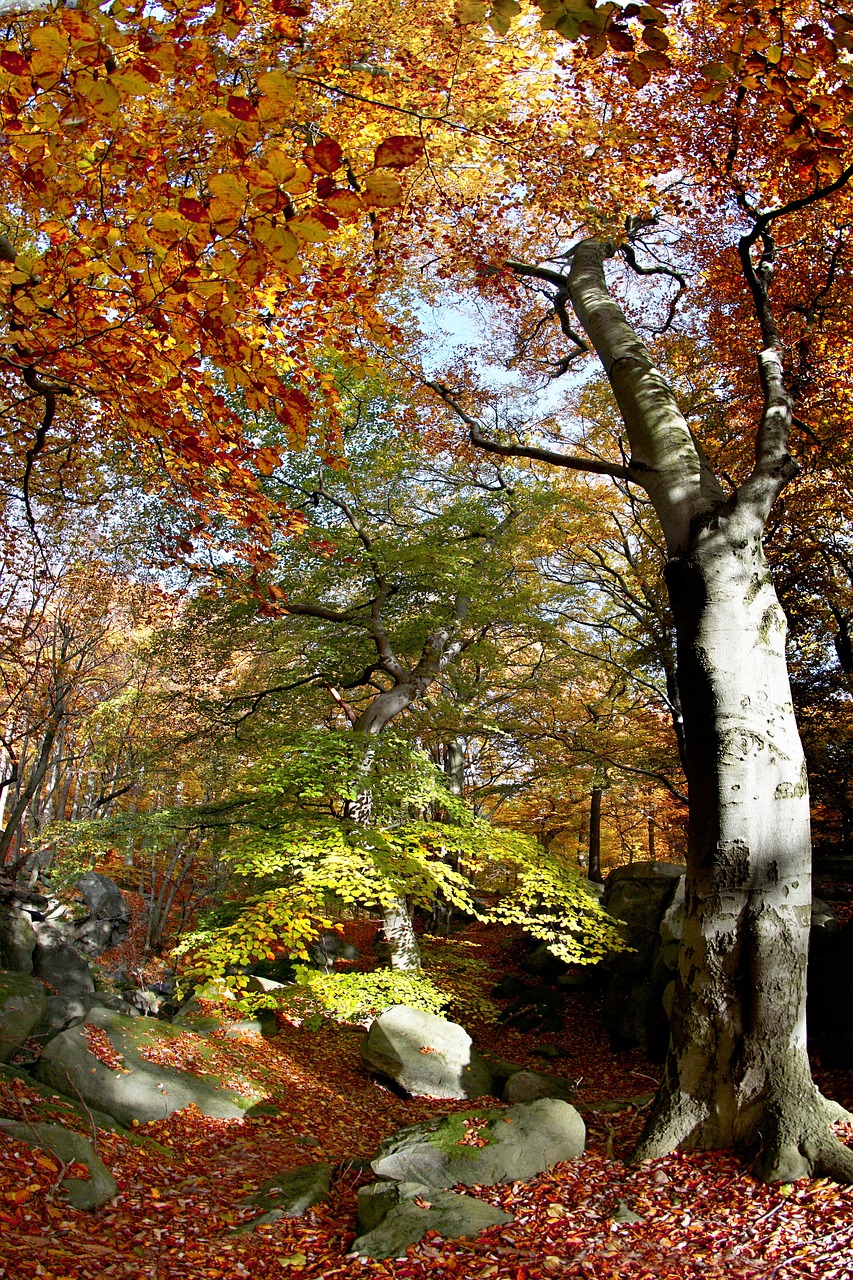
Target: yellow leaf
pixel 103 98
pixel 301 182
pixel 131 83
pixel 229 190
pixel 278 86
pixel 280 165
pixel 382 191
pixel 50 43
pixel 343 202
pixel 170 222
pixel 471 11
pixel 309 229
pixel 224 217
pixel 279 242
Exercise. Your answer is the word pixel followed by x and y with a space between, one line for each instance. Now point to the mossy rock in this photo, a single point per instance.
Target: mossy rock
pixel 70 1148
pixel 22 1004
pixel 140 1090
pixel 392 1216
pixel 483 1147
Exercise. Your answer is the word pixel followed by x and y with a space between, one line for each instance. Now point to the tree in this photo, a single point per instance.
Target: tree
pixel 743 129
pixel 737 1072
pixel 404 568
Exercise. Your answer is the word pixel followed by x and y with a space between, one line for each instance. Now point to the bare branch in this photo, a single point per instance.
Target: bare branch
pixel 556 459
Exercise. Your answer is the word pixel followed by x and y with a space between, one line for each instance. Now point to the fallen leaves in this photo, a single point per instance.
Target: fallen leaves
pixel 179 1200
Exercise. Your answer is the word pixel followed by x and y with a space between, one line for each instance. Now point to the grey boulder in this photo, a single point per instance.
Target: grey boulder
pixel 17 939
pixel 425 1055
pixel 527 1086
pixel 60 965
pixel 140 1090
pixel 483 1147
pixel 290 1194
pixel 392 1216
pixel 70 1148
pixel 22 1006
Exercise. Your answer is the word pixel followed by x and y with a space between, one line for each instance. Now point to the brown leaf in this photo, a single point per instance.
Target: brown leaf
pixel 399 152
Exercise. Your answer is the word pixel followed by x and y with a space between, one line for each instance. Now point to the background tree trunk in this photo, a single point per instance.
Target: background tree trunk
pixel 594 866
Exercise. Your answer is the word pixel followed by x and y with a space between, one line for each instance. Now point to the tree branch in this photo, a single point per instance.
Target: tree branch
pixel 573 463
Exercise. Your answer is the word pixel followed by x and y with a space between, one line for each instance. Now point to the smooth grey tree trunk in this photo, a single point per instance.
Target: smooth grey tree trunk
pixel 404 954
pixel 593 870
pixel 737 1072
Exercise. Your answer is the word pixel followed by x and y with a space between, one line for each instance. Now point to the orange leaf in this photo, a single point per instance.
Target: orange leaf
pixel 293 410
pixel 382 191
pixel 325 157
pixel 399 152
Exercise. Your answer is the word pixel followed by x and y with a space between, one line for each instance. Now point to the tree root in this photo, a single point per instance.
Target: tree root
pixel 789 1146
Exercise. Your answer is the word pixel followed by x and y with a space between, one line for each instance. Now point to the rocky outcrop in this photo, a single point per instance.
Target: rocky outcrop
pixel 392 1216
pixel 646 900
pixel 485 1146
pixel 425 1055
pixel 22 1007
pixel 109 914
pixel 830 987
pixel 17 939
pixel 138 1090
pixel 528 1086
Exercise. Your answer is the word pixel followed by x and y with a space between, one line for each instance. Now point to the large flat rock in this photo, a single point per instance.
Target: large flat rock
pixel 484 1147
pixel 140 1090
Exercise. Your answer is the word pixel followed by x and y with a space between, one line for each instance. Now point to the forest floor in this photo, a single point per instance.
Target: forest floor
pixel 179 1204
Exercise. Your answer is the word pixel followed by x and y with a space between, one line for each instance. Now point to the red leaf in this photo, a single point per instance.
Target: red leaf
pixel 14 62
pixel 325 157
pixel 242 108
pixel 399 152
pixel 192 209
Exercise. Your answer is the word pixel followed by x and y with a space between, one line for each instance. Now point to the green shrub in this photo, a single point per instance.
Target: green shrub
pixel 359 997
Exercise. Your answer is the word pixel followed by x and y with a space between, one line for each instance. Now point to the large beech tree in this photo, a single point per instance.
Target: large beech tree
pixel 737 1072
pixel 192 188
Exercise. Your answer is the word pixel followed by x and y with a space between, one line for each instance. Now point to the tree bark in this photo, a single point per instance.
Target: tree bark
pixel 737 1073
pixel 594 865
pixel 404 954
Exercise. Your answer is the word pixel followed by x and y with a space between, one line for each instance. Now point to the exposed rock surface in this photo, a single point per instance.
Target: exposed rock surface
pixel 17 939
pixel 392 1216
pixel 69 1147
pixel 483 1147
pixel 425 1055
pixel 22 1006
pixel 109 914
pixel 141 1090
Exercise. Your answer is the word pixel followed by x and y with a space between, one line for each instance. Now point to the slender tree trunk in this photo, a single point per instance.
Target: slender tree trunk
pixel 737 1072
pixel 594 866
pixel 403 951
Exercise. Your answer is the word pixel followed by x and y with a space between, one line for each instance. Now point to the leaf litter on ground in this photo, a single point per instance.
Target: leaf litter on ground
pixel 183 1180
